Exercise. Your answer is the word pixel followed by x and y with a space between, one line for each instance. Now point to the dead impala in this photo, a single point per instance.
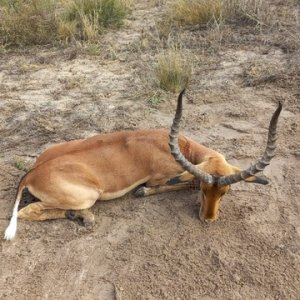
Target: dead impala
pixel 69 178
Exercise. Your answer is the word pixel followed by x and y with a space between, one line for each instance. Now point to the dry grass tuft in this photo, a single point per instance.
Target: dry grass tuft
pixel 249 11
pixel 260 74
pixel 261 12
pixel 27 22
pixel 40 22
pixel 85 19
pixel 172 71
pixel 92 49
pixel 257 12
pixel 192 12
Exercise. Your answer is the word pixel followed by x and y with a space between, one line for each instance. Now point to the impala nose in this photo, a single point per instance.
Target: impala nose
pixel 208 221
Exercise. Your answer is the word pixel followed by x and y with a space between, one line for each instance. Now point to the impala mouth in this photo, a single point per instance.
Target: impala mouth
pixel 208 220
pixel 207 216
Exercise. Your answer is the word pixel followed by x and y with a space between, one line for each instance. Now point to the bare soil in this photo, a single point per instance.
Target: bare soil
pixel 156 247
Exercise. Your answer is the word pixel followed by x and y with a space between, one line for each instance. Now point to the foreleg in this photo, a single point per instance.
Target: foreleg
pixel 147 191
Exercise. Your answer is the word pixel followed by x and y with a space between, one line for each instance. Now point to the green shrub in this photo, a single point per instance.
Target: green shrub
pixel 20 165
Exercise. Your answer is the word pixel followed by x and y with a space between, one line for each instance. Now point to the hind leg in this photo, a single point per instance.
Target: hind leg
pixel 38 212
pixel 60 197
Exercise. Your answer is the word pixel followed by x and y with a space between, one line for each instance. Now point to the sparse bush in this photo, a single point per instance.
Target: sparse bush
pixel 192 12
pixel 172 71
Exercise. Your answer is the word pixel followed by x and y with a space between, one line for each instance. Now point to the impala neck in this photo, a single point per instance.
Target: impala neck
pixel 194 152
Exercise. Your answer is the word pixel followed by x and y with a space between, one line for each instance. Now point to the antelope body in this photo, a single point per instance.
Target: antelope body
pixel 69 178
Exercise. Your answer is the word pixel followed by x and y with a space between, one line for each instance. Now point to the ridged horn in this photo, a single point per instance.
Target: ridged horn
pixel 188 166
pixel 263 161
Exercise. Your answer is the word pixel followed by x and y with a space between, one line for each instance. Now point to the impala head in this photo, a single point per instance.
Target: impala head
pixel 215 174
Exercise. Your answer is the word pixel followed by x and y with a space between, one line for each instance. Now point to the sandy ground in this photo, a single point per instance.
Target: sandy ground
pixel 155 247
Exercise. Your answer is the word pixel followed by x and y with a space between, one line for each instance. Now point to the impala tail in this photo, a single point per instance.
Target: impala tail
pixel 11 229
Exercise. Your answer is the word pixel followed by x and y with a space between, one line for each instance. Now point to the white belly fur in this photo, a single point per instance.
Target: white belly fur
pixel 118 194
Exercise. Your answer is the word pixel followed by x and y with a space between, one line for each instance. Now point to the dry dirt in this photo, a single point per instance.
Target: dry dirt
pixel 156 247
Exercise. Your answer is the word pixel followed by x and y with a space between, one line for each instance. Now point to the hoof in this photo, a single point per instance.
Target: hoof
pixel 89 224
pixel 140 192
pixel 83 217
pixel 88 221
pixel 71 215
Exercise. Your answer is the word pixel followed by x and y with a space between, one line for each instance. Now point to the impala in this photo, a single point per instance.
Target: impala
pixel 70 177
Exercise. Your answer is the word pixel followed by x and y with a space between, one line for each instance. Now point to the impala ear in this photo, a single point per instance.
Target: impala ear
pixel 257 179
pixel 252 179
